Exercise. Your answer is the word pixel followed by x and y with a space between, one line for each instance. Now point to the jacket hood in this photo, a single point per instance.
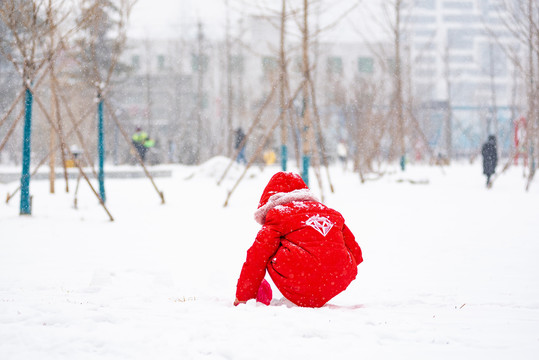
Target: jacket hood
pixel 283 187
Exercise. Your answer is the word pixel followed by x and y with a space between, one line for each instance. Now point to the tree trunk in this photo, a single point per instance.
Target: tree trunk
pixel 307 126
pixel 398 85
pixel 282 77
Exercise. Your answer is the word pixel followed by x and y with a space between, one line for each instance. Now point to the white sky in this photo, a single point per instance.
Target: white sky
pixel 167 18
pixel 162 18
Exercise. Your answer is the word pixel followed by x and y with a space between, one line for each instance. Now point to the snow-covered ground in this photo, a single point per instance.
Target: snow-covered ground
pixel 451 271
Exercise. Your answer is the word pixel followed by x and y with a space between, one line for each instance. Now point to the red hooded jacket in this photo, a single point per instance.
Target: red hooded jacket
pixel 309 252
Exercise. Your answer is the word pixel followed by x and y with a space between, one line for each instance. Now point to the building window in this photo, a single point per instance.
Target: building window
pixel 202 101
pixel 426 60
pixel 236 64
pixel 424 46
pixel 463 5
pixel 161 62
pixel 492 60
pixel 391 65
pixel 463 19
pixel 366 65
pixel 199 63
pixel 424 32
pixel 426 73
pixel 460 38
pixel 269 64
pixel 135 61
pixel 422 19
pixel 426 4
pixel 334 65
pixel 487 6
pixel 460 58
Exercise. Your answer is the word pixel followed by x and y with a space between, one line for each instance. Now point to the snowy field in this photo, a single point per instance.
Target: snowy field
pixel 451 271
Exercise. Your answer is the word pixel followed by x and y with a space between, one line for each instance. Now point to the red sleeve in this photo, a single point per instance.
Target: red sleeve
pixel 266 244
pixel 352 245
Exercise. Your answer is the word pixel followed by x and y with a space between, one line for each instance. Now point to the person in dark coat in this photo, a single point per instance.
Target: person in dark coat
pixel 490 157
pixel 239 141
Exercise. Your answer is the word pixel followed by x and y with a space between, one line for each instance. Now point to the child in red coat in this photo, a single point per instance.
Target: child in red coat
pixel 307 249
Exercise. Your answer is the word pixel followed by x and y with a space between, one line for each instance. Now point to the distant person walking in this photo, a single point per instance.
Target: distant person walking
pixel 490 158
pixel 239 142
pixel 142 142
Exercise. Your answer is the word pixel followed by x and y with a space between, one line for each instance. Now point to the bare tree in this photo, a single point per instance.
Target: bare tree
pixel 397 110
pixel 448 121
pixel 26 23
pixel 103 25
pixel 521 19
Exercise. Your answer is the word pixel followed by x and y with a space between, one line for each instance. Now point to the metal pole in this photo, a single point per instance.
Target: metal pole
pixel 284 156
pixel 305 168
pixel 25 208
pixel 44 159
pixel 100 147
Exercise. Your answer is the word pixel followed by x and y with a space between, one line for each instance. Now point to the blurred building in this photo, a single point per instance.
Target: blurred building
pixel 178 88
pixel 456 52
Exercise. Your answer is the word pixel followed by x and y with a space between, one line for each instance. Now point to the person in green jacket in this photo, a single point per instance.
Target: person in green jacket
pixel 142 142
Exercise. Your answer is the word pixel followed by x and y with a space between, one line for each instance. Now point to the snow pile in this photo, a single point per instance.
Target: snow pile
pixel 216 167
pixel 450 271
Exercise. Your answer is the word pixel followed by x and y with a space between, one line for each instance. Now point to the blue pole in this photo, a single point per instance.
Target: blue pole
pixel 101 148
pixel 284 156
pixel 305 171
pixel 26 208
pixel 533 158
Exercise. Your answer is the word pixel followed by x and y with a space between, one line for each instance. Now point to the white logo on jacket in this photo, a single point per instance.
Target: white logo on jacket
pixel 320 224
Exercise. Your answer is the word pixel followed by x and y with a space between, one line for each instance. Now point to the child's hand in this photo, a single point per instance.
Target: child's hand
pixel 237 302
